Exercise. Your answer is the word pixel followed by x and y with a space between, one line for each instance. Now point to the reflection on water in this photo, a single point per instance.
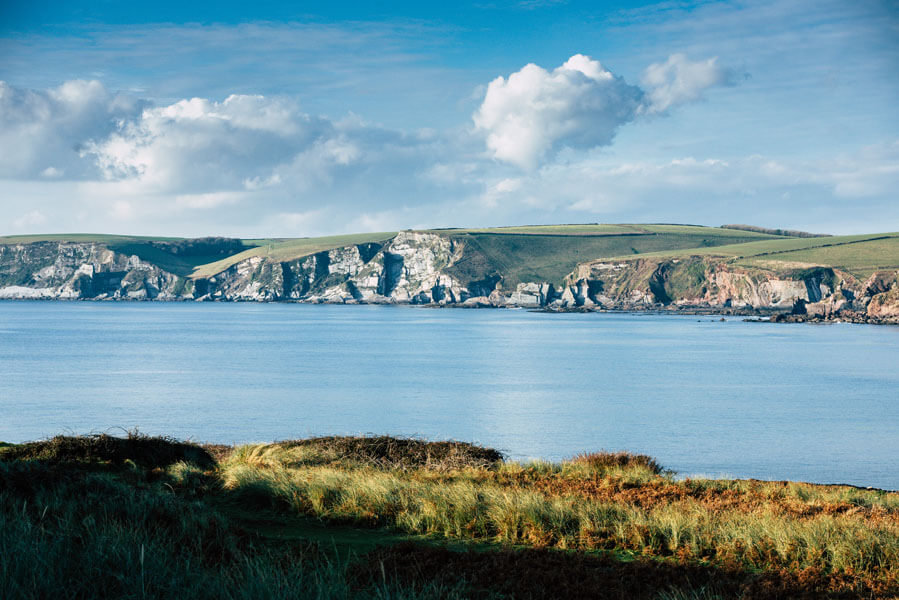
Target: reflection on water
pixel 806 402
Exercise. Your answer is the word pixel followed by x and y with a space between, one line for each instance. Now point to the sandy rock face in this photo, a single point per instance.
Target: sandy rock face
pixel 884 287
pixel 700 281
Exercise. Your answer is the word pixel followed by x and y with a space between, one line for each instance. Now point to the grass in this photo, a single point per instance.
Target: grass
pixel 520 258
pixel 859 258
pixel 101 238
pixel 383 517
pixel 773 246
pixel 581 229
pixel 182 265
pixel 857 254
pixel 610 229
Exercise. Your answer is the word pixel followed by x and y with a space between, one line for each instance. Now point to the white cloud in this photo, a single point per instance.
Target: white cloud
pixel 680 80
pixel 52 173
pixel 42 132
pixel 580 104
pixel 198 145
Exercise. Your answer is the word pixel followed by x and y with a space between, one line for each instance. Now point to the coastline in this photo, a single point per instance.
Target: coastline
pixel 749 314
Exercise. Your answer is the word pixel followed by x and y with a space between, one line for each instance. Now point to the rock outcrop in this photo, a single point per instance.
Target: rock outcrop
pixel 84 270
pixel 702 282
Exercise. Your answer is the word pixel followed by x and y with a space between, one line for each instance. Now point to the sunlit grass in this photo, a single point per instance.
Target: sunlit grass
pixel 151 517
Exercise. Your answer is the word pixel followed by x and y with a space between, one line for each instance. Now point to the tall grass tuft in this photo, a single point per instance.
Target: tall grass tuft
pixel 604 461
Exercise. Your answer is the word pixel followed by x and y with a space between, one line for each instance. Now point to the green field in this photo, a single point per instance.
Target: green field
pixel 858 254
pixel 585 229
pixel 858 257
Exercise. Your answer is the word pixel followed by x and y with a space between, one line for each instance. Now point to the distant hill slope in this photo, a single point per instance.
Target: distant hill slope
pixel 784 232
pixel 620 266
pixel 550 253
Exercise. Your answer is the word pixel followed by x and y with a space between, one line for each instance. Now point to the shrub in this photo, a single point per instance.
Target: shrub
pixel 140 449
pixel 401 453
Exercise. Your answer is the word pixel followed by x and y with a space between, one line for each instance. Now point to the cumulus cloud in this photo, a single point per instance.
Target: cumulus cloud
pixel 43 132
pixel 581 104
pixel 199 145
pixel 679 80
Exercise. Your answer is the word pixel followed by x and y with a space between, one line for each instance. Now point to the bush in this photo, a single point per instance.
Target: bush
pixel 140 449
pixel 401 453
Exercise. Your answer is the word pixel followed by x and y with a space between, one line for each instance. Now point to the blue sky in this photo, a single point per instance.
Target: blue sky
pixel 270 118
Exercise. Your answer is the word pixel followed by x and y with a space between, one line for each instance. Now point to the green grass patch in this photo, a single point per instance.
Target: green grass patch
pixel 582 229
pixel 773 246
pixel 860 258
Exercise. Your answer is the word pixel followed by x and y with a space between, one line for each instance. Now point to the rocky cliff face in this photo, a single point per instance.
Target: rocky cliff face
pixel 714 283
pixel 83 270
pixel 414 268
pixel 408 269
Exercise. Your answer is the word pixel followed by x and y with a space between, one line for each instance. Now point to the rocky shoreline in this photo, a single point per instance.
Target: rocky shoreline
pixel 422 268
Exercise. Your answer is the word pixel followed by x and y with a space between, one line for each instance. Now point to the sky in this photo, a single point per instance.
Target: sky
pixel 285 119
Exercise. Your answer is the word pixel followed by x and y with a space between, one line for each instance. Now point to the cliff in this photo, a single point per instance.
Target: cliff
pixel 720 283
pixel 433 268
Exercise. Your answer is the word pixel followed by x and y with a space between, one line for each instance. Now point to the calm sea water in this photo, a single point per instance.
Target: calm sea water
pixel 804 402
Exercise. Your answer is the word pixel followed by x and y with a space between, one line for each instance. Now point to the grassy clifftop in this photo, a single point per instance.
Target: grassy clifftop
pixel 551 253
pixel 858 254
pixel 535 253
pixel 394 518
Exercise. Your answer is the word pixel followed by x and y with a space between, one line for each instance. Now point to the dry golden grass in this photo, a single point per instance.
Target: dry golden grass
pixel 846 537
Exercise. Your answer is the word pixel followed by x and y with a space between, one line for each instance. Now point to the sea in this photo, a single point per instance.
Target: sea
pixel 705 396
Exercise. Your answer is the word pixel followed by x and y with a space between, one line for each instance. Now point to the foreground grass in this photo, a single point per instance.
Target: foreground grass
pixel 337 518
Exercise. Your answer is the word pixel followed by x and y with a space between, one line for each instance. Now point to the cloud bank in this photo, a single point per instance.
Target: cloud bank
pixel 86 158
pixel 82 131
pixel 44 132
